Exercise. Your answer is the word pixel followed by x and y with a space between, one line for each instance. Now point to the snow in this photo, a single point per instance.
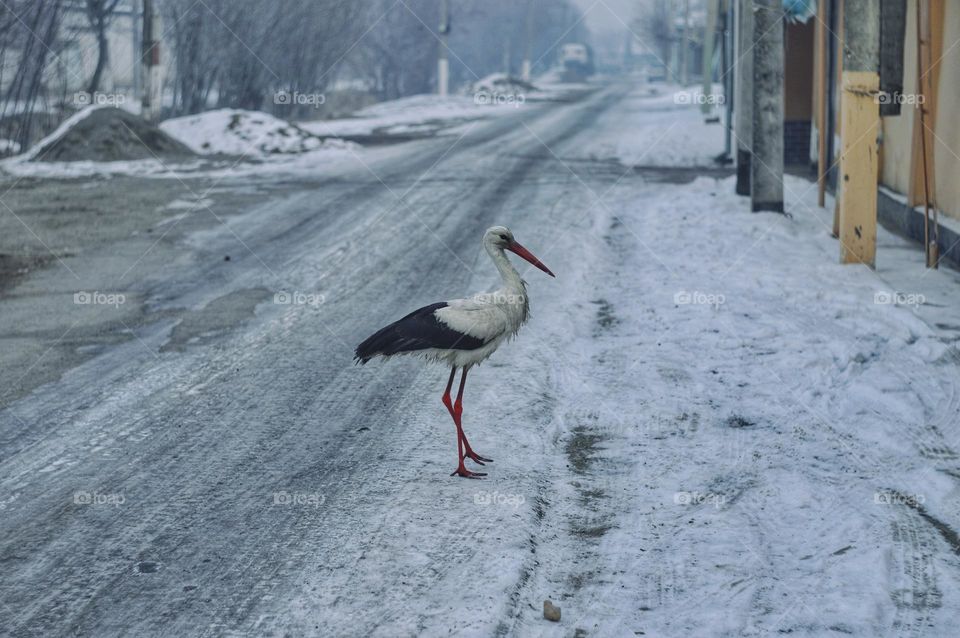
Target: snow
pixel 766 438
pixel 261 144
pixel 421 113
pixel 712 427
pixel 751 451
pixel 708 428
pixel 240 132
pixel 660 125
pixel 496 94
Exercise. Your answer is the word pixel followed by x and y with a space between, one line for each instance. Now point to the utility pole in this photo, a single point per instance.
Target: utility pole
pixel 150 61
pixel 685 45
pixel 744 90
pixel 766 166
pixel 528 51
pixel 726 67
pixel 860 122
pixel 443 64
pixel 709 35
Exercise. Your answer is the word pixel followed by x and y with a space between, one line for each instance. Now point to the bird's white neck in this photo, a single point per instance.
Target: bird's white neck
pixel 509 275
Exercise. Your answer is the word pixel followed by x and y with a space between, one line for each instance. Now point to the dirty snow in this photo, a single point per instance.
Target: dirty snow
pixel 243 133
pixel 59 132
pixel 420 113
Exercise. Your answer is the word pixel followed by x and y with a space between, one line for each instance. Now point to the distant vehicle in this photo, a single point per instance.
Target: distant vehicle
pixel 577 61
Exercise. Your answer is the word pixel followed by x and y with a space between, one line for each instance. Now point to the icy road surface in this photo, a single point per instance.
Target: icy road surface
pixel 707 428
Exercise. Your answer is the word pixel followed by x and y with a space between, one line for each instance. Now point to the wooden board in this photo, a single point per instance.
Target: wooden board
pixel 932 29
pixel 860 115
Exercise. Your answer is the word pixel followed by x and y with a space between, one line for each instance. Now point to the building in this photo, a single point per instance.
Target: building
pixel 913 163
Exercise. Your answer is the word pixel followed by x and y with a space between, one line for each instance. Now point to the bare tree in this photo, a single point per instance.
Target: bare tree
pixel 655 24
pixel 242 53
pixel 398 54
pixel 28 37
pixel 99 13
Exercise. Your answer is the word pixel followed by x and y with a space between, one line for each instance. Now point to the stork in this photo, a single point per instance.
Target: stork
pixel 462 332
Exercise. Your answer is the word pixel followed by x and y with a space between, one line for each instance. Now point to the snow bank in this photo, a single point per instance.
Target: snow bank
pixel 240 132
pixel 97 140
pixel 59 132
pixel 499 88
pixel 418 113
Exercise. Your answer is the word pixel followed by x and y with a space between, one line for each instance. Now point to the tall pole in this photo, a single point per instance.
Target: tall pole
pixel 528 51
pixel 443 64
pixel 822 103
pixel 766 167
pixel 709 35
pixel 860 117
pixel 672 44
pixel 744 90
pixel 685 45
pixel 150 59
pixel 728 78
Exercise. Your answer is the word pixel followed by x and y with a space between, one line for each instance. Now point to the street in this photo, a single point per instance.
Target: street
pixel 707 427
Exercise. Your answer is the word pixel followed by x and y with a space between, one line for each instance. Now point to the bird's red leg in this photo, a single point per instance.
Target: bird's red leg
pixel 457 412
pixel 456 409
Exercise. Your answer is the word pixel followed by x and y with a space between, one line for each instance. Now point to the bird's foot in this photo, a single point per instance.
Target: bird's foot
pixel 465 473
pixel 476 458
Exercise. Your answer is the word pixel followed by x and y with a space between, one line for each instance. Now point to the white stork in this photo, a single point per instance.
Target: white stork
pixel 462 332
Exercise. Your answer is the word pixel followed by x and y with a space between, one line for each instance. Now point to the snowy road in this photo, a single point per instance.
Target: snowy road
pixel 695 435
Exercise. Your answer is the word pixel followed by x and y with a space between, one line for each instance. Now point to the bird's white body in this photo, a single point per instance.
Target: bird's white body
pixel 493 317
pixel 462 332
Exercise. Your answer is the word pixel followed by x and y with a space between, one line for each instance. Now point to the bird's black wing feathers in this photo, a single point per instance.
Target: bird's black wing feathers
pixel 419 330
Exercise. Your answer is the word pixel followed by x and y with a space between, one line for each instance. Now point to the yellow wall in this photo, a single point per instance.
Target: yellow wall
pixel 896 171
pixel 947 140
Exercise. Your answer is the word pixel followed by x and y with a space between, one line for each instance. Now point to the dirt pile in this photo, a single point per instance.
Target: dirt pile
pixel 107 134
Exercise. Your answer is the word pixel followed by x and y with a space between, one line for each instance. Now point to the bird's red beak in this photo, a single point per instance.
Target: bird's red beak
pixel 516 248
